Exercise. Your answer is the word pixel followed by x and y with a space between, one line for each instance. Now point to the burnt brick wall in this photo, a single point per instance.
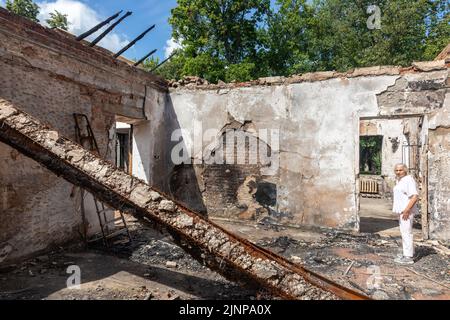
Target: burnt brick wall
pixel 51 76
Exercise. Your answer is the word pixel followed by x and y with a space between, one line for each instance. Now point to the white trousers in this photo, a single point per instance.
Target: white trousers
pixel 406 227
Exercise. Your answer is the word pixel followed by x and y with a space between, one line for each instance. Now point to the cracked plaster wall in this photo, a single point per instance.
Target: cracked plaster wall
pixel 439 172
pixel 319 125
pixel 427 94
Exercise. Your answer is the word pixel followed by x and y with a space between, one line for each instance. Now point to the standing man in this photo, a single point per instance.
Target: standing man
pixel 405 206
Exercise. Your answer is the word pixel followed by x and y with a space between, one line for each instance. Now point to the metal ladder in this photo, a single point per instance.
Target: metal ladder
pixel 85 137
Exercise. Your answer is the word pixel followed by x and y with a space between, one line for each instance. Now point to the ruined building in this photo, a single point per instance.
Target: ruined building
pixel 302 132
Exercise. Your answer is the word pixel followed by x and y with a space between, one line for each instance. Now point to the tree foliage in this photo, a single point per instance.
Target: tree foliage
pixel 370 148
pixel 24 8
pixel 224 29
pixel 172 69
pixel 342 39
pixel 220 38
pixel 241 40
pixel 287 38
pixel 240 72
pixel 58 20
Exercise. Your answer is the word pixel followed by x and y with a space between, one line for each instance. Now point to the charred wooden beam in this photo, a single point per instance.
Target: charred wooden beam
pixel 235 258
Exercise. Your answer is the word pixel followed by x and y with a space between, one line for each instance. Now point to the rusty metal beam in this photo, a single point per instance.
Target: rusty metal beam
pixel 132 43
pixel 100 37
pixel 145 57
pixel 235 258
pixel 164 61
pixel 98 27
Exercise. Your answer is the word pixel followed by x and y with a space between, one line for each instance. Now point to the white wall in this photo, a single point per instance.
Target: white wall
pixel 319 125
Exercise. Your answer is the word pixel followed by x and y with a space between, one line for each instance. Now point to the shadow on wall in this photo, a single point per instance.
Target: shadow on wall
pixel 237 179
pixel 231 182
pixel 245 186
pixel 183 180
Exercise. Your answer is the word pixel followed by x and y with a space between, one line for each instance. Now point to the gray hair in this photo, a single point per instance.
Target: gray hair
pixel 402 165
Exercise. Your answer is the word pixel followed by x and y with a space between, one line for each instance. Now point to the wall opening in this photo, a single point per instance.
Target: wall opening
pixel 124 146
pixel 381 145
pixel 370 148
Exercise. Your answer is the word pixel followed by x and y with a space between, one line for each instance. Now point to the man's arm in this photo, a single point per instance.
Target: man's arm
pixel 412 201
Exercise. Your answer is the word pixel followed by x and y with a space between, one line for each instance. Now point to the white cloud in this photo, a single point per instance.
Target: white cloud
pixel 171 45
pixel 81 18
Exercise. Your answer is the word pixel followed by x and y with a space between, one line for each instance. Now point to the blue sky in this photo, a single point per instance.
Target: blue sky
pixel 145 14
pixel 84 14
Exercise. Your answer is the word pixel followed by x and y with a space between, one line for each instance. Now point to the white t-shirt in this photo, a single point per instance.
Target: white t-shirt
pixel 403 191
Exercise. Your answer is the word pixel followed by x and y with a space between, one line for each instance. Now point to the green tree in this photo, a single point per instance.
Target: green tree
pixel 244 71
pixel 218 34
pixel 319 35
pixel 171 70
pixel 370 154
pixel 25 8
pixel 287 38
pixel 179 66
pixel 58 20
pixel 205 66
pixel 438 33
pixel 341 40
pixel 241 40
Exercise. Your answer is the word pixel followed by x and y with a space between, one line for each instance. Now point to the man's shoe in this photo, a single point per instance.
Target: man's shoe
pixel 404 260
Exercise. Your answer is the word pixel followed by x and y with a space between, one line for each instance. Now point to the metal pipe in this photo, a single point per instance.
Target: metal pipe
pixel 159 65
pixel 100 37
pixel 134 41
pixel 143 59
pixel 101 24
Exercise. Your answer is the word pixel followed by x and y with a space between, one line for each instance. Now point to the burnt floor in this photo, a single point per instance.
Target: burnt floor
pixel 362 261
pixel 376 217
pixel 152 267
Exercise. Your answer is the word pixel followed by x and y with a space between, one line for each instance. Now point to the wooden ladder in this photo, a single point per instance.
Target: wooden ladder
pixel 85 137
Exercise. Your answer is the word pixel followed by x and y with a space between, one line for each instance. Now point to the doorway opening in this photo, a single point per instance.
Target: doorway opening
pixel 124 146
pixel 382 144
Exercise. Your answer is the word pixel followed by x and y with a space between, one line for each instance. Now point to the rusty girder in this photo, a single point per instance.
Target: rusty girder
pixel 235 258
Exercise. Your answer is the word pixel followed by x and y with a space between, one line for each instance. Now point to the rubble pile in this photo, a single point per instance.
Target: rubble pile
pixel 350 257
pixel 193 82
pixel 186 81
